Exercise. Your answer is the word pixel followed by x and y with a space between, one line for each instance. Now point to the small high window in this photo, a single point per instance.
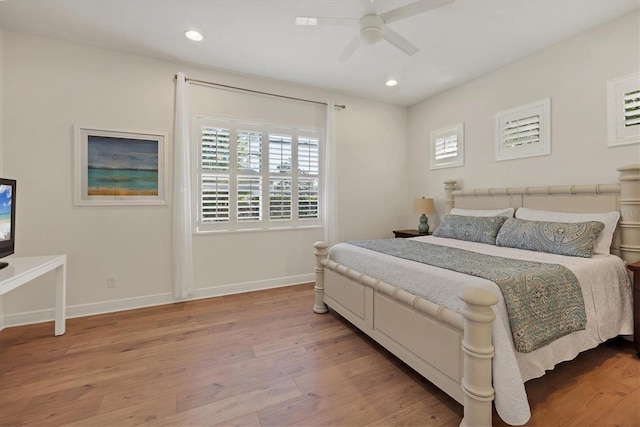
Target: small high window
pixel 524 131
pixel 447 147
pixel 623 110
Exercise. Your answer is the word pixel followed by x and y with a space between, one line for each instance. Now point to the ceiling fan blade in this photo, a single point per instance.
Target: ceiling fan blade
pixel 351 47
pixel 321 20
pixel 398 41
pixel 412 9
pixel 368 7
pixel 312 21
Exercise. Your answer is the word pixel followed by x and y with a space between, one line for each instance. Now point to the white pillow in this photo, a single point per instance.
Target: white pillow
pixel 508 212
pixel 609 219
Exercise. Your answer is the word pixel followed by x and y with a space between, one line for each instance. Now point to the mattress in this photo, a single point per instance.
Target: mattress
pixel 606 289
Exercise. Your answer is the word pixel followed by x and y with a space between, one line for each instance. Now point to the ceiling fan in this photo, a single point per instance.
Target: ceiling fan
pixel 373 27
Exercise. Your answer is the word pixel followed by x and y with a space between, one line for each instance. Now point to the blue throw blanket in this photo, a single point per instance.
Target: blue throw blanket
pixel 544 301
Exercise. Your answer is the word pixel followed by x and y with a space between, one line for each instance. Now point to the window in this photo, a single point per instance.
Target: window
pixel 256 176
pixel 623 110
pixel 524 131
pixel 447 147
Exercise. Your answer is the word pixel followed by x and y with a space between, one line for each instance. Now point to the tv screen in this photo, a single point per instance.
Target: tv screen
pixel 7 218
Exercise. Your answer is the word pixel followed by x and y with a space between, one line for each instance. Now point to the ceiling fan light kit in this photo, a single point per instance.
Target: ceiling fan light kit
pixel 371 29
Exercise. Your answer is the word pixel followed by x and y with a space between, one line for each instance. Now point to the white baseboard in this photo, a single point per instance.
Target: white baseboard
pixel 239 288
pixel 81 310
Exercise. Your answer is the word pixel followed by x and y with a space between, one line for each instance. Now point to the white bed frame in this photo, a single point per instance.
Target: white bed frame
pixel 454 350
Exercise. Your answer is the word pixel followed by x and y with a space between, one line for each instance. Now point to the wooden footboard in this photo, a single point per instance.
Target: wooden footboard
pixel 454 351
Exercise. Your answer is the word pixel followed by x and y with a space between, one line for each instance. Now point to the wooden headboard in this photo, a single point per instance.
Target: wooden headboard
pixel 623 196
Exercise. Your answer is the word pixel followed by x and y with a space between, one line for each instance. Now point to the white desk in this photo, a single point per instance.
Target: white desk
pixel 23 270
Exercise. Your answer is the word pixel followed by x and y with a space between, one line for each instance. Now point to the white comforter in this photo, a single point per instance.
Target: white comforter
pixel 606 289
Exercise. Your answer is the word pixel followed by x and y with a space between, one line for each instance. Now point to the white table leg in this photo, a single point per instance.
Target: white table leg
pixel 61 297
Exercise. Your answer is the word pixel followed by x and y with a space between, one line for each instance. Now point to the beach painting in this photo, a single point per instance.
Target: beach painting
pixel 120 168
pixel 5 212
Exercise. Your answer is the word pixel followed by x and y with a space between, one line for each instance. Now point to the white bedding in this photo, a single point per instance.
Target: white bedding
pixel 606 289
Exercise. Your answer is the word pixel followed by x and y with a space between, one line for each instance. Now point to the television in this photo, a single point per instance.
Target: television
pixel 7 218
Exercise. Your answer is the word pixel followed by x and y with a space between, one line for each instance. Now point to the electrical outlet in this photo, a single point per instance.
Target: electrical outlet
pixel 111 282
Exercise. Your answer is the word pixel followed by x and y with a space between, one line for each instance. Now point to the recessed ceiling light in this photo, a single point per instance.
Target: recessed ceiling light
pixel 304 20
pixel 391 82
pixel 194 35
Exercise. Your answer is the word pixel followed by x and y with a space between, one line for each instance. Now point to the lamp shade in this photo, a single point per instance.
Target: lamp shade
pixel 423 206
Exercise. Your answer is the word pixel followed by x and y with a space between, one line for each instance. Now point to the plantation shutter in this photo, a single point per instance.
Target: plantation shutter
pixel 280 179
pixel 522 131
pixel 280 198
pixel 249 145
pixel 249 181
pixel 215 159
pixel 446 147
pixel 623 110
pixel 308 179
pixel 257 176
pixel 632 108
pixel 249 198
pixel 215 198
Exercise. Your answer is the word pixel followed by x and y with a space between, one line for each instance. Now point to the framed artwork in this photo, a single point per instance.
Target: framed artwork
pixel 120 167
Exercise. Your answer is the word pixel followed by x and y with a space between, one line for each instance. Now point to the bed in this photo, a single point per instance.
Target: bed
pixel 464 344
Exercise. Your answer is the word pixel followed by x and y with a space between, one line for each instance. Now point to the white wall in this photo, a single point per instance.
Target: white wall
pixel 574 75
pixel 50 86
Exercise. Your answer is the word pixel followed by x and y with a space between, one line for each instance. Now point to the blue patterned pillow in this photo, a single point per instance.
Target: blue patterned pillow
pixel 562 238
pixel 481 229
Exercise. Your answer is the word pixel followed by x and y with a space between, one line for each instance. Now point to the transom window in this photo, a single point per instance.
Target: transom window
pixel 524 131
pixel 256 176
pixel 623 110
pixel 447 146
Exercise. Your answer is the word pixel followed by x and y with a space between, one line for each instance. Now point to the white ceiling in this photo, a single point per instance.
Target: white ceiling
pixel 457 42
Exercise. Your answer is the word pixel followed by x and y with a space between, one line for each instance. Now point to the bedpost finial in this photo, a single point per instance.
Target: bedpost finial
pixel 478 296
pixel 629 172
pixel 449 187
pixel 321 244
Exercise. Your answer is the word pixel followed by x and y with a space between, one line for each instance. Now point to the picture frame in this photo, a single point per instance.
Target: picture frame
pixel 120 167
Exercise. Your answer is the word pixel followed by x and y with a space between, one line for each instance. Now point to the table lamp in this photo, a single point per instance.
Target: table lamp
pixel 423 206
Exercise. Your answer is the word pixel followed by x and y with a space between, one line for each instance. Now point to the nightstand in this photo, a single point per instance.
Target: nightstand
pixel 402 234
pixel 635 268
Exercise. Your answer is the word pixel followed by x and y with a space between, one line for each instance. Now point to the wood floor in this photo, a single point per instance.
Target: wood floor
pixel 264 359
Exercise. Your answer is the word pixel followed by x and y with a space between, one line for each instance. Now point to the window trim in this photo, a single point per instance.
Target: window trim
pixel 541 109
pixel 442 133
pixel 617 133
pixel 233 225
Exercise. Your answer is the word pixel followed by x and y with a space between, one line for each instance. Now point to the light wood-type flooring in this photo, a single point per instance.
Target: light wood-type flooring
pixel 264 359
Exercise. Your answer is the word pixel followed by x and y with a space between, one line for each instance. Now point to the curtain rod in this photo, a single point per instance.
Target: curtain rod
pixel 342 107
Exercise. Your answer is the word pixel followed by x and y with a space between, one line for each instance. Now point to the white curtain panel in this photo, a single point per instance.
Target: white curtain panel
pixel 182 250
pixel 330 182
